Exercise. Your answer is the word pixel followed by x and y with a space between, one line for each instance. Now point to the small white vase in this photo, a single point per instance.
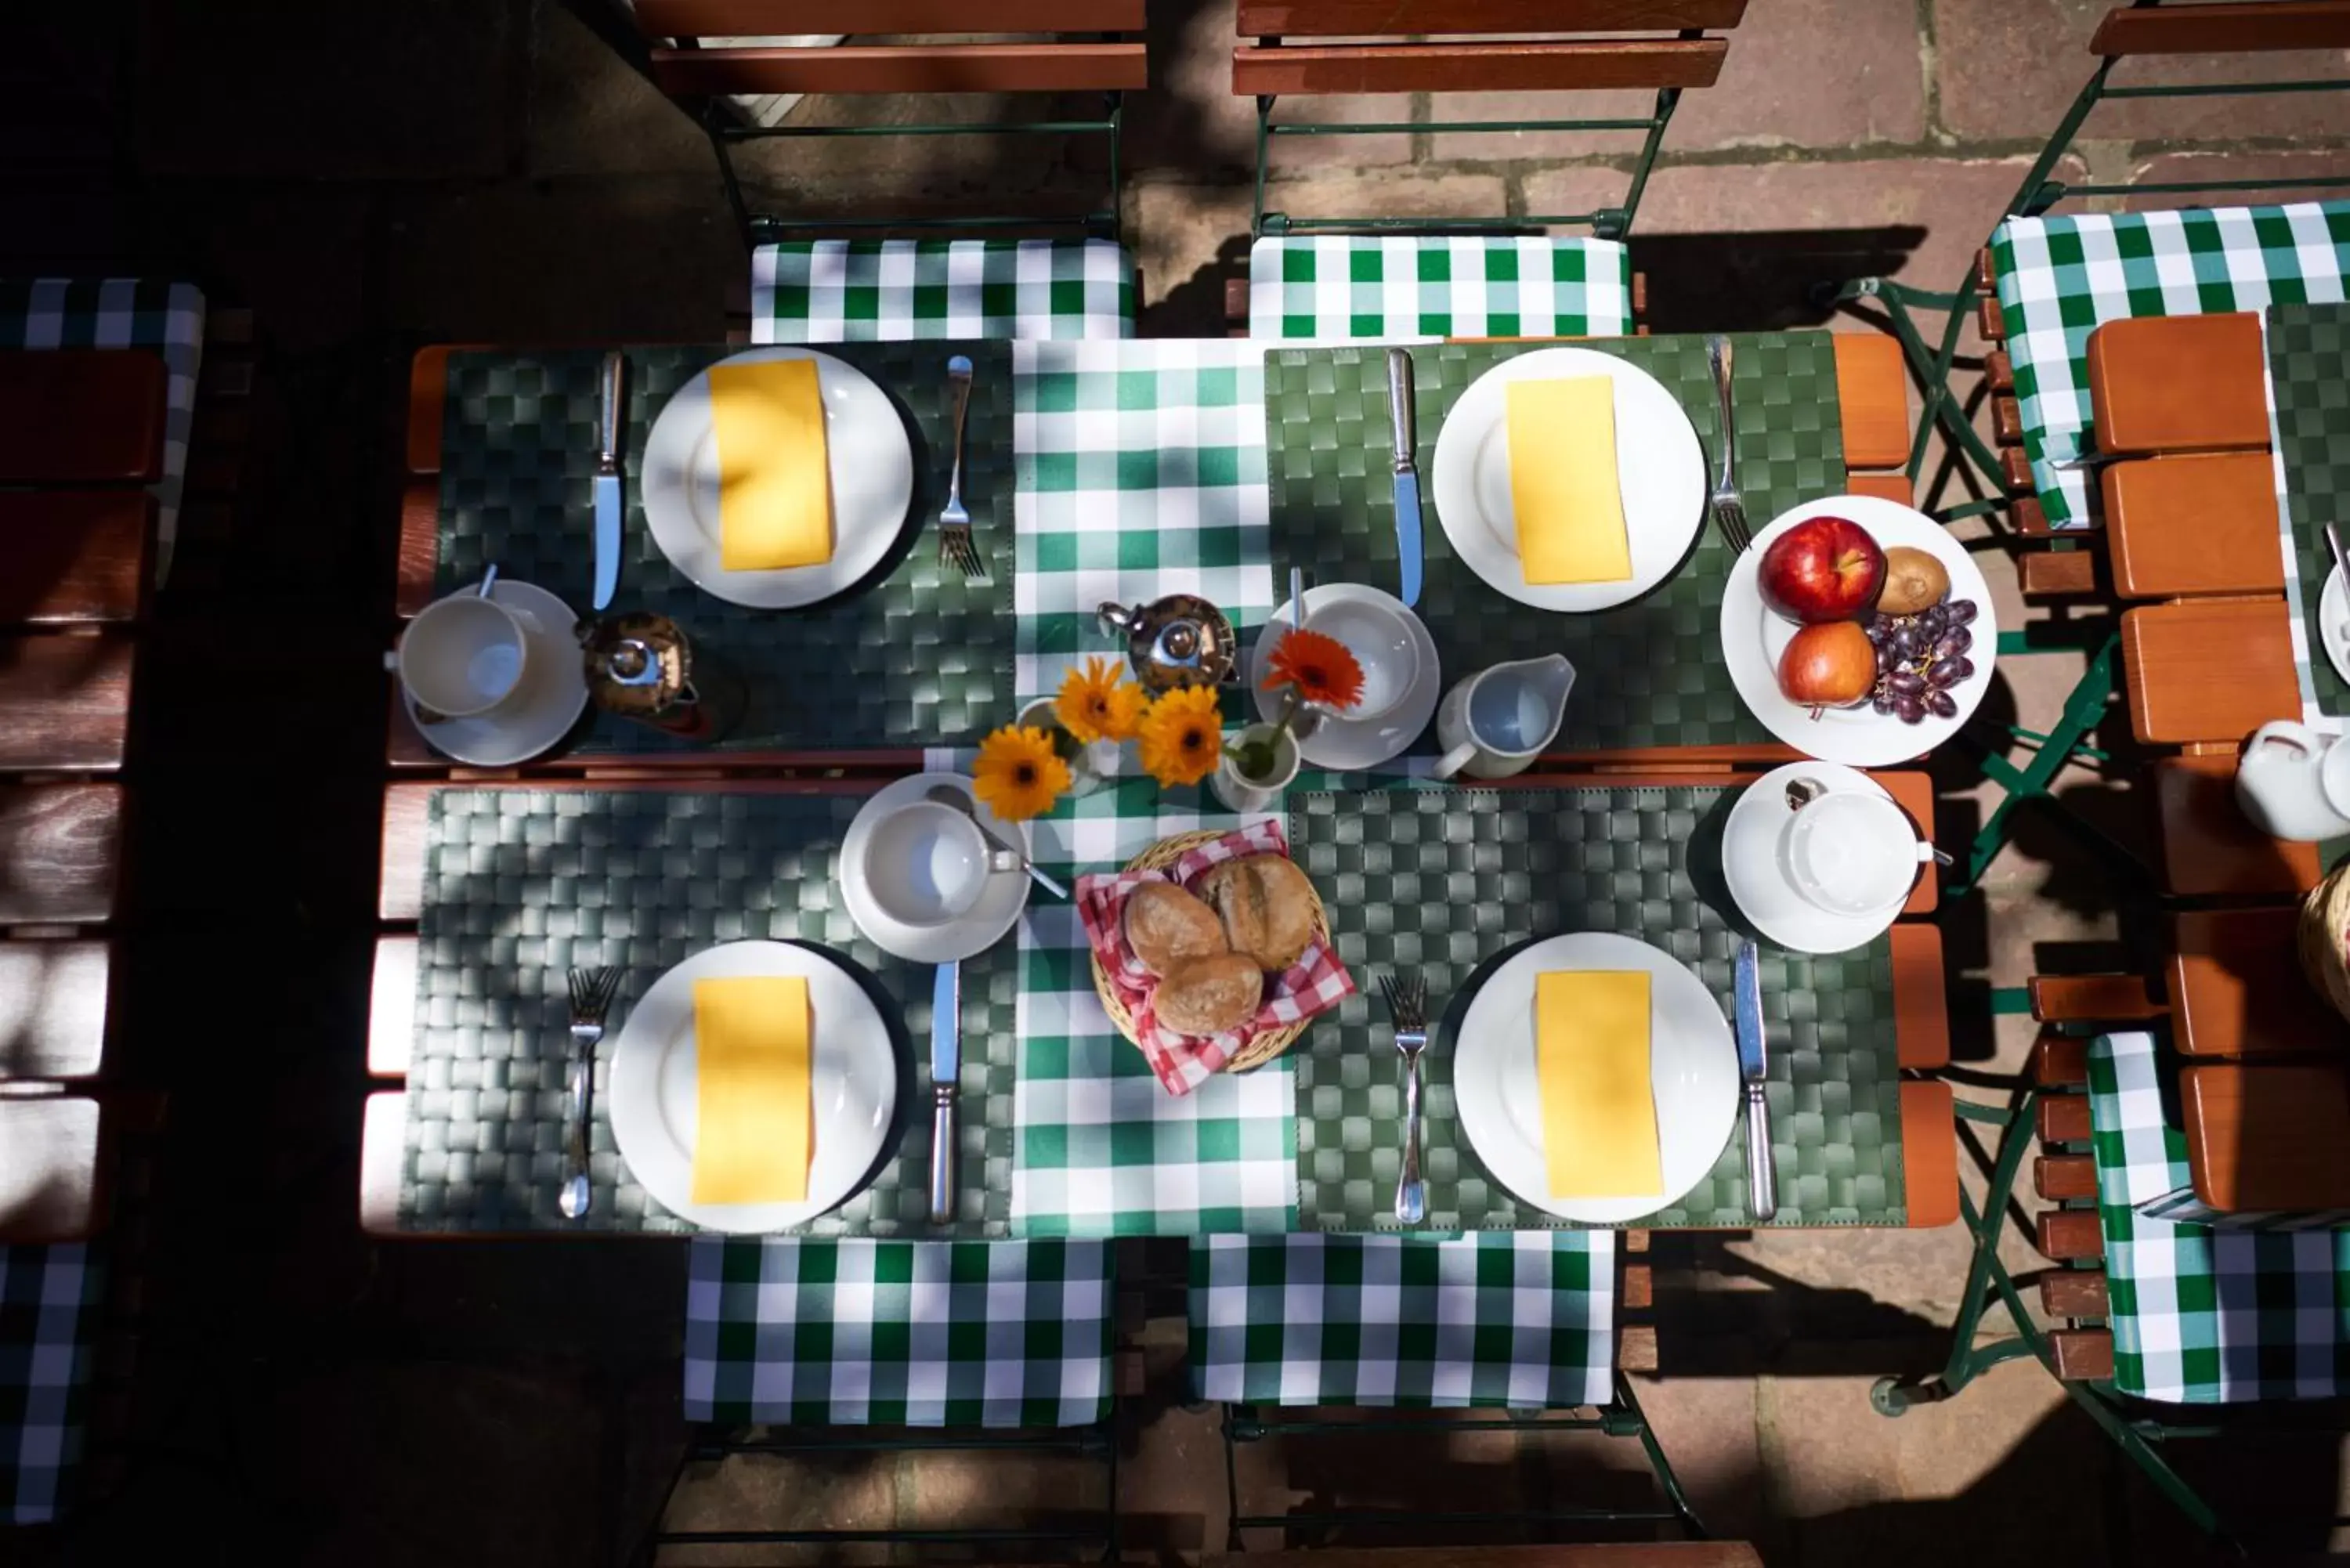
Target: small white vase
pixel 1242 792
pixel 1089 765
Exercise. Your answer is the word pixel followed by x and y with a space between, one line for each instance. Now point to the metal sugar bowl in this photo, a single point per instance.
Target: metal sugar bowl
pixel 1177 641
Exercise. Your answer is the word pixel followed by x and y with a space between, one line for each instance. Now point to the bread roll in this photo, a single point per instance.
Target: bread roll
pixel 1267 905
pixel 1167 928
pixel 1210 995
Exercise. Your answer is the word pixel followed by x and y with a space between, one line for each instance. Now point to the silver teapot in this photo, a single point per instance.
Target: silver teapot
pixel 1177 641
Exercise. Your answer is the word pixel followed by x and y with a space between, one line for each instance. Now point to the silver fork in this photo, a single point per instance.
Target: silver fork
pixel 1729 509
pixel 591 998
pixel 955 548
pixel 1407 997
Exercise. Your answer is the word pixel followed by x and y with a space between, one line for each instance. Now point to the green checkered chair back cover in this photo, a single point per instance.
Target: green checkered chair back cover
pixel 1351 287
pixel 50 1300
pixel 1523 1319
pixel 2202 1315
pixel 781 1332
pixel 849 291
pixel 2059 278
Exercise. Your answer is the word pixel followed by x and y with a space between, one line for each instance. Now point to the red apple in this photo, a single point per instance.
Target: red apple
pixel 1823 568
pixel 1831 665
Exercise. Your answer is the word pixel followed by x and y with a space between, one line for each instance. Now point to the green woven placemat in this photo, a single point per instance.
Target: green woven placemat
pixel 918 658
pixel 1442 880
pixel 2309 366
pixel 520 884
pixel 1648 673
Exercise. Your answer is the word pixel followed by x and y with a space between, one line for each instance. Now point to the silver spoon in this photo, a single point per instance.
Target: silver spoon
pixel 947 794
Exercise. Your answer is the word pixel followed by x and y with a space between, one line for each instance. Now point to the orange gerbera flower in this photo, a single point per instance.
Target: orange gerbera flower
pixel 1018 774
pixel 1098 704
pixel 1321 668
pixel 1182 736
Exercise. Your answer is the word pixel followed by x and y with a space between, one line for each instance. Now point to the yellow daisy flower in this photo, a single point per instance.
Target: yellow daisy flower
pixel 1018 774
pixel 1182 736
pixel 1098 704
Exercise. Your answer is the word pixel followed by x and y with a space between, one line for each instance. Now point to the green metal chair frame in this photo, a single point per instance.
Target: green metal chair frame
pixel 1622 1417
pixel 1269 69
pixel 1086 57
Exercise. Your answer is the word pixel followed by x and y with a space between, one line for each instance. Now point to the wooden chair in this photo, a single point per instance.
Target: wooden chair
pixel 1388 276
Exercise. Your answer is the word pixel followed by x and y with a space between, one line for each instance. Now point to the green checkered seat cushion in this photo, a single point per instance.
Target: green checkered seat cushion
pixel 849 291
pixel 1352 286
pixel 1523 1318
pixel 781 1332
pixel 49 1307
pixel 2202 1315
pixel 2058 278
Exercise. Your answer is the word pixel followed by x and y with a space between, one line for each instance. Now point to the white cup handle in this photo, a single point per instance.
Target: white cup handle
pixel 1924 851
pixel 1003 860
pixel 2292 732
pixel 392 661
pixel 1453 761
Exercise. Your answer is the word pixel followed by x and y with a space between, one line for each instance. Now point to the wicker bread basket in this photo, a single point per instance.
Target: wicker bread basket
pixel 1261 1048
pixel 2325 929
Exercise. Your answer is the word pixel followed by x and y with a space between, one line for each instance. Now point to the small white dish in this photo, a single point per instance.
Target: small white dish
pixel 1692 1070
pixel 994 912
pixel 1753 836
pixel 1659 466
pixel 1350 744
pixel 871 461
pixel 653 1086
pixel 540 710
pixel 2333 623
pixel 1753 637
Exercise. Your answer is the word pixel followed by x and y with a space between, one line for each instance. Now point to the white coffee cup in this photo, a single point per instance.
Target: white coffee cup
pixel 464 655
pixel 1380 638
pixel 1852 853
pixel 927 863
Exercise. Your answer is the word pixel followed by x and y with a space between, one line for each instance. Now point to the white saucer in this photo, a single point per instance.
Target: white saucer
pixel 2333 623
pixel 999 906
pixel 866 448
pixel 1692 1070
pixel 1750 864
pixel 1350 744
pixel 553 691
pixel 651 1091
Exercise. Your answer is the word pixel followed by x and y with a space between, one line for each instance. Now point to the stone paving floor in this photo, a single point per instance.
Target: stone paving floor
pixel 393 172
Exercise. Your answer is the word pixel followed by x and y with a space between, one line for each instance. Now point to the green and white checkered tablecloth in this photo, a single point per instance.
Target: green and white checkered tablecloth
pixel 2058 278
pixel 2202 1315
pixel 899 1334
pixel 123 312
pixel 49 1303
pixel 1523 1319
pixel 1345 288
pixel 840 291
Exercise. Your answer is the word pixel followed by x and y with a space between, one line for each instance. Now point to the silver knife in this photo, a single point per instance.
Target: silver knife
pixel 607 479
pixel 946 1068
pixel 1762 1171
pixel 1402 420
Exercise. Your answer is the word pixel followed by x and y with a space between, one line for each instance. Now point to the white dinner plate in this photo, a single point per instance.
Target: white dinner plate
pixel 1347 745
pixel 1753 636
pixel 1659 466
pixel 553 691
pixel 853 1084
pixel 865 447
pixel 2333 623
pixel 1692 1067
pixel 1757 879
pixel 1000 902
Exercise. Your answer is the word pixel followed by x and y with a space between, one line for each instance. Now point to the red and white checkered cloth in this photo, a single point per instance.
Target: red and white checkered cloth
pixel 1316 982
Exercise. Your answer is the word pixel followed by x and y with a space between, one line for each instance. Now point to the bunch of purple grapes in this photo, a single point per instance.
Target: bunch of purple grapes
pixel 1919 657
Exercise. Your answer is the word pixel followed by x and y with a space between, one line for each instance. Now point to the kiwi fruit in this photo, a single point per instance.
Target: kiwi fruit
pixel 1914 579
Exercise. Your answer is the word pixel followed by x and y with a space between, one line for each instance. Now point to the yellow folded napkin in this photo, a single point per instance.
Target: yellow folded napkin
pixel 774 481
pixel 1563 486
pixel 1598 1110
pixel 751 1043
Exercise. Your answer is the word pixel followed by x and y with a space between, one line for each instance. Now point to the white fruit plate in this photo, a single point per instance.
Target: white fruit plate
pixel 1753 636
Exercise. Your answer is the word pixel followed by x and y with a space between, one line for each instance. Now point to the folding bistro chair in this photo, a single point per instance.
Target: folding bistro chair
pixel 1382 275
pixel 809 285
pixel 1520 1323
pixel 2166 1318
pixel 879 1347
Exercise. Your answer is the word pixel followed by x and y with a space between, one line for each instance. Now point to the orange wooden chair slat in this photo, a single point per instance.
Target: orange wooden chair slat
pixel 1375 19
pixel 81 416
